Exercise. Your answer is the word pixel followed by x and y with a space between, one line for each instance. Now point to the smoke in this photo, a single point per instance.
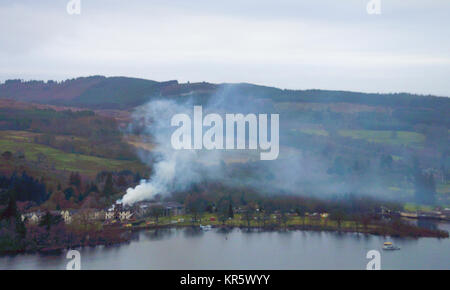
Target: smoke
pixel 295 171
pixel 173 169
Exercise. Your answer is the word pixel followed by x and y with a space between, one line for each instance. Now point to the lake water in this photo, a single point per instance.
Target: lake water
pixel 240 249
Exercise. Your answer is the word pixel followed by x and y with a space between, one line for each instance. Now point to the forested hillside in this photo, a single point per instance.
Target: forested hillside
pixel 393 146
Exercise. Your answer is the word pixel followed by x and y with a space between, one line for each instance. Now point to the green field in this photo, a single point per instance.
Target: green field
pixel 385 136
pixel 411 207
pixel 240 221
pixel 378 136
pixel 318 132
pixel 15 141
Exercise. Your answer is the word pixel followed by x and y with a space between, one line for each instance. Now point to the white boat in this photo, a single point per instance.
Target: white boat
pixel 389 246
pixel 206 228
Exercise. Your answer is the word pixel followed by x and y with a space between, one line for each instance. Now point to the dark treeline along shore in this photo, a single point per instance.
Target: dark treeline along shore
pixel 348 161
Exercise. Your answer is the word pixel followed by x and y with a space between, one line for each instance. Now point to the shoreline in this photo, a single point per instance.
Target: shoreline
pixel 421 232
pixel 379 231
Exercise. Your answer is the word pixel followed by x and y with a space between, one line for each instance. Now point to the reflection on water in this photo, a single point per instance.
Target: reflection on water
pixel 428 224
pixel 192 232
pixel 191 248
pixel 158 234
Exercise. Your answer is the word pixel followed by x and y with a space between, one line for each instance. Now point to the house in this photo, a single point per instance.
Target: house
pixel 66 216
pixel 109 215
pixel 35 217
pixel 142 209
pixel 125 215
pixel 168 208
pixel 99 215
pixel 173 208
pixel 314 216
pixel 32 217
pixel 324 215
pixel 409 215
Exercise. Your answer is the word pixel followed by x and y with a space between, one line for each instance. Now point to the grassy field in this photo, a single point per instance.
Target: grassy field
pixel 318 132
pixel 240 221
pixel 411 207
pixel 15 141
pixel 385 136
pixel 378 136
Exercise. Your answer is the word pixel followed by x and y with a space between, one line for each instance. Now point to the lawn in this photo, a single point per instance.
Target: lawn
pixel 240 221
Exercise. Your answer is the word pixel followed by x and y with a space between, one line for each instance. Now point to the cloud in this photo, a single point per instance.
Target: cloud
pixel 287 45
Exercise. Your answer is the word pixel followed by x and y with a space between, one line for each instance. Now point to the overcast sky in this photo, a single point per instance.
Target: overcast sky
pixel 324 44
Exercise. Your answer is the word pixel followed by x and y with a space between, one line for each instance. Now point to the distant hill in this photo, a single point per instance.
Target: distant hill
pixel 91 92
pixel 99 92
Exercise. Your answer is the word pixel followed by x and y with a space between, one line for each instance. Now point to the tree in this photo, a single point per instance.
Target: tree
pixel 11 209
pixel 230 210
pixel 26 188
pixel 137 177
pixel 156 211
pixel 223 217
pixel 21 230
pixel 122 181
pixel 11 220
pixel 284 218
pixel 210 208
pixel 69 193
pixel 248 214
pixel 49 220
pixel 223 210
pixel 75 180
pixel 266 216
pixel 338 216
pixel 195 204
pixel 108 189
pixel 301 212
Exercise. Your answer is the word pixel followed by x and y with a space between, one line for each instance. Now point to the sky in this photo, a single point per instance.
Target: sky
pixel 293 44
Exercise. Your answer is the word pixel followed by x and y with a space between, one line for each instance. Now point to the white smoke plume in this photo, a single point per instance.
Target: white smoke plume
pixel 295 171
pixel 173 169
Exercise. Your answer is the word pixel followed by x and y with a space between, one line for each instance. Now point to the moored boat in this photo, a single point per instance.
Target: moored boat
pixel 206 228
pixel 389 246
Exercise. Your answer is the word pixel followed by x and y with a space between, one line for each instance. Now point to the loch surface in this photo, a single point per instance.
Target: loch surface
pixel 239 249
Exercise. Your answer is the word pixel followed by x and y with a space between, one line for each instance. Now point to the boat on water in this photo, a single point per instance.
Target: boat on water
pixel 389 246
pixel 206 228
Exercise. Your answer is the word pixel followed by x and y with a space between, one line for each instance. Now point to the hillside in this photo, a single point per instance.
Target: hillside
pixel 99 92
pixel 394 146
pixel 89 92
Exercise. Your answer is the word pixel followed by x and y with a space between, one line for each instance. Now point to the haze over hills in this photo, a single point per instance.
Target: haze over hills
pixel 99 92
pixel 386 145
